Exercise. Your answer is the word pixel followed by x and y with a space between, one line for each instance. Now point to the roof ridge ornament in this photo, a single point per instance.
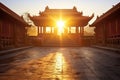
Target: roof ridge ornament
pixel 97 16
pixel 81 12
pixel 74 8
pixel 46 8
pixel 92 15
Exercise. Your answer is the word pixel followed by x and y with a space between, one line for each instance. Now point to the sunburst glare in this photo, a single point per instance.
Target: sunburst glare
pixel 60 26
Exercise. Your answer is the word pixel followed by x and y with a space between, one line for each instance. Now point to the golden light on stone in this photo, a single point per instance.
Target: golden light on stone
pixel 59 63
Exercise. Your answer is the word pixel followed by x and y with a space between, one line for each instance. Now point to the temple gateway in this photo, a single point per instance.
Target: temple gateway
pixel 60 27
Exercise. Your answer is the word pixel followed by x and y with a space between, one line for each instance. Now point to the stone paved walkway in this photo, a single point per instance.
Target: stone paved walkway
pixel 64 64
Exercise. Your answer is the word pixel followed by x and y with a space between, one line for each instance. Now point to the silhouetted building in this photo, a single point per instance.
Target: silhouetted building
pixel 12 29
pixel 73 28
pixel 107 31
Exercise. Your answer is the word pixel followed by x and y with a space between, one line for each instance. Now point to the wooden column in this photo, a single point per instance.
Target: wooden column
pixel 55 31
pixel 0 35
pixel 104 33
pixel 77 30
pixel 81 31
pixel 110 29
pixel 38 30
pixel 69 29
pixel 116 25
pixel 66 30
pixel 51 30
pixel 41 30
pixel 44 29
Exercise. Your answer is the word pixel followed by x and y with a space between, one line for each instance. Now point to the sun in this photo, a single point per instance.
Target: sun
pixel 60 26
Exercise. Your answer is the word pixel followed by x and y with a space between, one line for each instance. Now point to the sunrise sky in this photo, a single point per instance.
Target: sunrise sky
pixel 34 6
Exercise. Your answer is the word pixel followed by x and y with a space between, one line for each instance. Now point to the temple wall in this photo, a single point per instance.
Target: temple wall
pixel 107 32
pixel 12 32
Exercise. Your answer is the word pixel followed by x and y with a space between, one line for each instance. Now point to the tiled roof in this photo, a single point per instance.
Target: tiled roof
pixel 108 13
pixel 11 13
